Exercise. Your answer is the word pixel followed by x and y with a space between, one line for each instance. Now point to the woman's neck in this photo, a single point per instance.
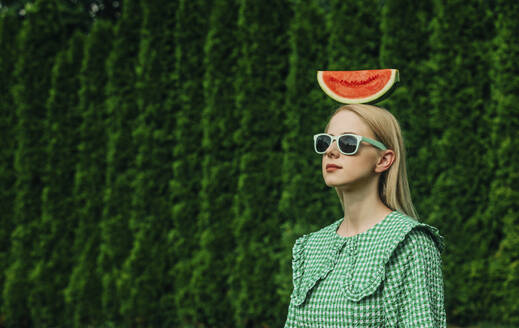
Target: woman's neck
pixel 362 210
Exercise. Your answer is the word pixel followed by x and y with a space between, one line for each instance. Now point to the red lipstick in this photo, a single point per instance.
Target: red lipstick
pixel 332 167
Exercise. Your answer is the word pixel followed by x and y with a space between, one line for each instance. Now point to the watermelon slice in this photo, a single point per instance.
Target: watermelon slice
pixel 358 87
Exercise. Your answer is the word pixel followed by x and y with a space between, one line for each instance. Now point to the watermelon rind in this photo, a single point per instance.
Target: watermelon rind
pixel 376 97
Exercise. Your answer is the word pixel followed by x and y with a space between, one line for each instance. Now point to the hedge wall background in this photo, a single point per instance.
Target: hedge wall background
pixel 157 161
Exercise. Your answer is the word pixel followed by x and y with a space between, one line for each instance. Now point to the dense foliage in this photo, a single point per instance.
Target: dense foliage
pixel 157 167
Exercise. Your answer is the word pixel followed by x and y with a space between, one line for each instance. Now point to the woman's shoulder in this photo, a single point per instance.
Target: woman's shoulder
pixel 316 237
pixel 407 230
pixel 397 234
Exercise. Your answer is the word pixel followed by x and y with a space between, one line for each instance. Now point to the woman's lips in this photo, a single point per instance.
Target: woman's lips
pixel 332 167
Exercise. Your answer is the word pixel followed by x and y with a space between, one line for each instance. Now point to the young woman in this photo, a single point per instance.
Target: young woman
pixel 378 266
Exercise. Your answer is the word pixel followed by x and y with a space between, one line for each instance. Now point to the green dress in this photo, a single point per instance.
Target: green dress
pixel 388 276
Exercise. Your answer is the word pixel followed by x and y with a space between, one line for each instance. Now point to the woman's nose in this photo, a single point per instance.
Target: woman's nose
pixel 332 148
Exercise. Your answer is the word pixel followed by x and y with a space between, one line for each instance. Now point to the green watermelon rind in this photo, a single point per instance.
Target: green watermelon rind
pixel 378 96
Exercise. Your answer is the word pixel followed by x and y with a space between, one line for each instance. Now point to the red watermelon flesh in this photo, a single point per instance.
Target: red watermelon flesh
pixel 357 86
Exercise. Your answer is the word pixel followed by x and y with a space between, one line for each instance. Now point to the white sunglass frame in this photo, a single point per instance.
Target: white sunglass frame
pixel 359 139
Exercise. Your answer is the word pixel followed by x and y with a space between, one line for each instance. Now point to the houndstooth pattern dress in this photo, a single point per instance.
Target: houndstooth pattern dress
pixel 388 276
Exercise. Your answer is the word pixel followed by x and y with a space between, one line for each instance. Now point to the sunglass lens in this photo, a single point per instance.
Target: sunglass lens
pixel 322 143
pixel 347 144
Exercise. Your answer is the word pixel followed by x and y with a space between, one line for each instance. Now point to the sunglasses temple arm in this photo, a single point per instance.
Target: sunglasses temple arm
pixel 375 143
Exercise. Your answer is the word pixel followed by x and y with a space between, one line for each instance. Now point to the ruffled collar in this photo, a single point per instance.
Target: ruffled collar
pixel 317 253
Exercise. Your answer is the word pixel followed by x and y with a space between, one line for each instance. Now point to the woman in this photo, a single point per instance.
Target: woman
pixel 377 266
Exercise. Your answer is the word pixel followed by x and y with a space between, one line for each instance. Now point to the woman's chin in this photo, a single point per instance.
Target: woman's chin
pixel 330 182
pixel 342 182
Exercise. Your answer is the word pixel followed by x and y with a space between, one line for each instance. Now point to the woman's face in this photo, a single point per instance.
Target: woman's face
pixel 357 169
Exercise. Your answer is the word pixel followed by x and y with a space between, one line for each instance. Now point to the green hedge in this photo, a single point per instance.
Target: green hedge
pixel 156 170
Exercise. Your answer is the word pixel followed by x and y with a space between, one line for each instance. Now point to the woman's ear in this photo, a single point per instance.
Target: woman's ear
pixel 385 161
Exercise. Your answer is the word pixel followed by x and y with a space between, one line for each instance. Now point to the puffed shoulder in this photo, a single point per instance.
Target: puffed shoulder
pixel 425 236
pixel 370 269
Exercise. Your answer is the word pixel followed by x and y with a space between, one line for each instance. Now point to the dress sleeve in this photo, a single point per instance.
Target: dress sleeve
pixel 291 317
pixel 422 296
pixel 297 272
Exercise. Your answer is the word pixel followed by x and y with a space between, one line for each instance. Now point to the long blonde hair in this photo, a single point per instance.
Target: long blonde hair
pixel 393 186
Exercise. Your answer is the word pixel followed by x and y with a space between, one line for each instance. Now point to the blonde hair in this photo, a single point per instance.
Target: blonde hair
pixel 393 186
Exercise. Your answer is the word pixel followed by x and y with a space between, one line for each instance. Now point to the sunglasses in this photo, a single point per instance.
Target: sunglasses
pixel 348 143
